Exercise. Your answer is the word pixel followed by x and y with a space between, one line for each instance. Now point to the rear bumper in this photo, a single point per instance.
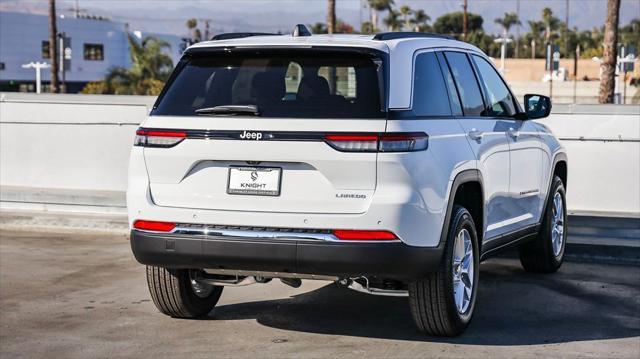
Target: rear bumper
pixel 386 260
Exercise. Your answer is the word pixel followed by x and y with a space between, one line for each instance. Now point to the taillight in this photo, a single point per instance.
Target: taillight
pixel 358 235
pixel 386 142
pixel 158 138
pixel 403 142
pixel 353 143
pixel 154 226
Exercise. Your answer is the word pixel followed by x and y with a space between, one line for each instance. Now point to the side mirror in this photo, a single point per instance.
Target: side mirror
pixel 537 106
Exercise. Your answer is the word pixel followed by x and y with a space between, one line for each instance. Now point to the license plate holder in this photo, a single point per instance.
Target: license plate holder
pixel 257 181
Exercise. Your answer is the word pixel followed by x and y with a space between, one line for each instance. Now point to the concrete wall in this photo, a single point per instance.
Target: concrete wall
pixel 603 145
pixel 61 150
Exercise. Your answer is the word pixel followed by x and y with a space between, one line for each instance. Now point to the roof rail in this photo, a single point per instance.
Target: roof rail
pixel 240 35
pixel 408 35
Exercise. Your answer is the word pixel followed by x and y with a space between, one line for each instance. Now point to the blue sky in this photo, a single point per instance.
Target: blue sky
pixel 169 16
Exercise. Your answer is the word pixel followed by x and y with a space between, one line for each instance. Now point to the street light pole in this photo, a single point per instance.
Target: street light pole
pixel 63 84
pixel 503 50
pixel 38 66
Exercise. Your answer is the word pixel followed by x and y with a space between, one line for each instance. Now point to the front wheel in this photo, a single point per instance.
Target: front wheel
pixel 546 253
pixel 442 304
pixel 176 293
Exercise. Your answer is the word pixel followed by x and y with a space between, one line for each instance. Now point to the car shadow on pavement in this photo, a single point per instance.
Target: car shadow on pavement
pixel 513 308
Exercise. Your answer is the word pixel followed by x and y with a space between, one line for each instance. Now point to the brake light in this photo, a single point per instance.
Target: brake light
pixel 158 138
pixel 386 142
pixel 154 226
pixel 358 235
pixel 353 143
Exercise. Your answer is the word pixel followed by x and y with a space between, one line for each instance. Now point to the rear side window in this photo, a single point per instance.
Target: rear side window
pixel 429 91
pixel 281 83
pixel 456 108
pixel 499 100
pixel 466 83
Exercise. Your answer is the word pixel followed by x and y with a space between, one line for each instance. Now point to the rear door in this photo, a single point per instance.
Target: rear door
pixel 290 155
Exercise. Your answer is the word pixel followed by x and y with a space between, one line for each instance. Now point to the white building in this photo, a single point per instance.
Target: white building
pixel 96 46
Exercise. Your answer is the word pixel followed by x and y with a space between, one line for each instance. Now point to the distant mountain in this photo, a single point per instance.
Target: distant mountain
pixel 169 16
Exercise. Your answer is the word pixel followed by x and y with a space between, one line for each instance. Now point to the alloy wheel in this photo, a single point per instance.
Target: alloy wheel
pixel 557 225
pixel 463 271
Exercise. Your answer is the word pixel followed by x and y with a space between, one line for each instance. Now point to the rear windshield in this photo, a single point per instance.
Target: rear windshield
pixel 281 83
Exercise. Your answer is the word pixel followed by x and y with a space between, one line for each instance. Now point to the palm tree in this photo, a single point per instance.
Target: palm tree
pixel 536 29
pixel 550 22
pixel 392 20
pixel 318 28
pixel 150 68
pixel 509 19
pixel 609 57
pixel 375 6
pixel 331 16
pixel 194 32
pixel 405 11
pixel 367 28
pixel 420 19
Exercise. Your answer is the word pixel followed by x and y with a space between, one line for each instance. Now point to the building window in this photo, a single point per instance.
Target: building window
pixel 94 52
pixel 45 50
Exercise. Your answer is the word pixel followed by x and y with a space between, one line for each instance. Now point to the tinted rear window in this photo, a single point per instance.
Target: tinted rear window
pixel 285 83
pixel 466 83
pixel 429 91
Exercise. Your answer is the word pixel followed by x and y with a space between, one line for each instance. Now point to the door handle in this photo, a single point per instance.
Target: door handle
pixel 513 133
pixel 475 134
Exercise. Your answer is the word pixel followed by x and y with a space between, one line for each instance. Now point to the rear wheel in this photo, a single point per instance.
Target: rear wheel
pixel 442 303
pixel 177 294
pixel 546 253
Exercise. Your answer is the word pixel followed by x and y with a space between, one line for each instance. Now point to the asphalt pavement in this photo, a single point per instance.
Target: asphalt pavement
pixel 70 295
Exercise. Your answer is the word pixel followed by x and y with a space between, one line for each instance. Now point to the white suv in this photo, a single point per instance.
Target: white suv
pixel 392 164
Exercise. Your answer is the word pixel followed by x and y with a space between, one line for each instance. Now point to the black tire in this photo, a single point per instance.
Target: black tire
pixel 537 256
pixel 173 294
pixel 432 301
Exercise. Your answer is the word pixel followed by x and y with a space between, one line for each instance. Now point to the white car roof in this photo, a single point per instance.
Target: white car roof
pixel 401 50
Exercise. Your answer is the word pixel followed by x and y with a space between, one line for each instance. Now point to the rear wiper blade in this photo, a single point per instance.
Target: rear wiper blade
pixel 229 110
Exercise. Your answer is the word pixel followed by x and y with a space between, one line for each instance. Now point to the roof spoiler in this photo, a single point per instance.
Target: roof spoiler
pixel 240 35
pixel 408 35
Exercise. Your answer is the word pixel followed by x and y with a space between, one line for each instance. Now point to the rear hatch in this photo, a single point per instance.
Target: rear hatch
pixel 274 130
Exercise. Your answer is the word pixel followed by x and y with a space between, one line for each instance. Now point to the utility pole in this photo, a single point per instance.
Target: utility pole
pixel 465 20
pixel 206 29
pixel 361 5
pixel 53 46
pixel 566 29
pixel 331 28
pixel 516 55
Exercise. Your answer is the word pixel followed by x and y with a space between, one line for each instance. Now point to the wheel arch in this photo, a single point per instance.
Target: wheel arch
pixel 466 190
pixel 560 168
